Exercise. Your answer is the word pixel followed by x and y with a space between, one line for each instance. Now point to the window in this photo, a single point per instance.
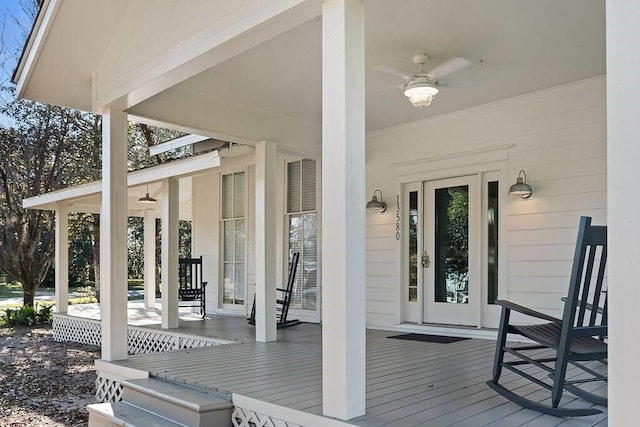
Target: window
pixel 233 230
pixel 413 246
pixel 303 230
pixel 492 243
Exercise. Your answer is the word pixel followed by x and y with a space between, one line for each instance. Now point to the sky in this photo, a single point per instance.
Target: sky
pixel 14 24
pixel 11 14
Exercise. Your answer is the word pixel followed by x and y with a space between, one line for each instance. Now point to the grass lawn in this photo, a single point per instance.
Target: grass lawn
pixel 136 284
pixel 10 290
pixel 14 290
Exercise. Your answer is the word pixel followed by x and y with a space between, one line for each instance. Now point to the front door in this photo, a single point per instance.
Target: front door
pixel 451 255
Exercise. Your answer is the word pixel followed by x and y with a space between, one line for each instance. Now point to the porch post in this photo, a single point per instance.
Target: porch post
pixel 113 235
pixel 623 208
pixel 265 213
pixel 169 252
pixel 62 257
pixel 343 209
pixel 149 260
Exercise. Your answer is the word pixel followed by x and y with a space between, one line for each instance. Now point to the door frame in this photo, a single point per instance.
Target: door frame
pixel 412 312
pixel 488 314
pixel 444 312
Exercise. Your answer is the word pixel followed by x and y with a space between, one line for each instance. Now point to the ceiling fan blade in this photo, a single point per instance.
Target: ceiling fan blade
pixel 449 66
pixel 392 72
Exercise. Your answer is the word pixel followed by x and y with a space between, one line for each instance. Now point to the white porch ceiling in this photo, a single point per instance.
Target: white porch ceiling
pixel 516 47
pixel 273 91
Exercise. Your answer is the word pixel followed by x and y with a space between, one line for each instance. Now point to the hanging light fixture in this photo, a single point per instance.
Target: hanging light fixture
pixel 377 205
pixel 420 89
pixel 521 187
pixel 420 92
pixel 147 199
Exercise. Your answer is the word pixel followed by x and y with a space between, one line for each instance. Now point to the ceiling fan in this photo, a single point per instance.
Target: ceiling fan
pixel 421 87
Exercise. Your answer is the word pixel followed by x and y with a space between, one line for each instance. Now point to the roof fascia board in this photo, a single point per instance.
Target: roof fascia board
pixel 191 166
pixel 177 169
pixel 35 44
pixel 180 142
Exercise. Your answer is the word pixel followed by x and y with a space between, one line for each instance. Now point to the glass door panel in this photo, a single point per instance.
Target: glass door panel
pixel 450 257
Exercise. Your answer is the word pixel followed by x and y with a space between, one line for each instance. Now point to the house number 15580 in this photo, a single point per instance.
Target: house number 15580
pixel 397 217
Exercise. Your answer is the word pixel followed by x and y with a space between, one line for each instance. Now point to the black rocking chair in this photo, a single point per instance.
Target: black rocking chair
pixel 191 288
pixel 285 300
pixel 577 339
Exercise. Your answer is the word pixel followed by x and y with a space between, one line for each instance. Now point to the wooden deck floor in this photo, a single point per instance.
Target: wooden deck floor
pixel 409 383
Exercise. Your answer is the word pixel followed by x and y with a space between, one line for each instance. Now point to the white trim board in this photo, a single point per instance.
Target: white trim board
pixel 283 413
pixel 190 166
pixel 172 144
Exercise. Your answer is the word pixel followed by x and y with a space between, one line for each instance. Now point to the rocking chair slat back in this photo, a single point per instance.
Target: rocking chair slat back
pixel 576 339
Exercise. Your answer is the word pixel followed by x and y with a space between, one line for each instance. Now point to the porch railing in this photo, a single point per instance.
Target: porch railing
pixel 140 340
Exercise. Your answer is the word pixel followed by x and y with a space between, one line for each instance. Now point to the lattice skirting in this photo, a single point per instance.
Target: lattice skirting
pixel 245 418
pixel 108 390
pixel 76 329
pixel 140 340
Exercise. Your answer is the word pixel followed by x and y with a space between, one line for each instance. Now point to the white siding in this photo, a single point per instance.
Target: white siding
pixel 205 232
pixel 206 227
pixel 558 136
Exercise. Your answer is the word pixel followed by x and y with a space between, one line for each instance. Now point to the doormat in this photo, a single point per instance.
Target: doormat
pixel 428 338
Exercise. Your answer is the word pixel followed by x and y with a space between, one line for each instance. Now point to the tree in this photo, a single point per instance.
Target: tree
pixel 44 151
pixel 46 148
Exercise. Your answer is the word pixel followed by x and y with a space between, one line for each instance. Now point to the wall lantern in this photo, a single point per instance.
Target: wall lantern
pixel 147 199
pixel 521 187
pixel 377 205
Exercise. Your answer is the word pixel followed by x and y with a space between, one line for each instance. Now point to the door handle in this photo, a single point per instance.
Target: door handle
pixel 425 260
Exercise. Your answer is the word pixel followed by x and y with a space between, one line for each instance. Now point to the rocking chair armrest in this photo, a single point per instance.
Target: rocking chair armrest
pixel 589 306
pixel 283 290
pixel 524 310
pixel 591 331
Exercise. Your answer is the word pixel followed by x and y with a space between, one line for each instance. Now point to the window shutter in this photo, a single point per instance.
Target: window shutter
pixel 293 187
pixel 308 185
pixel 238 192
pixel 227 196
pixel 301 186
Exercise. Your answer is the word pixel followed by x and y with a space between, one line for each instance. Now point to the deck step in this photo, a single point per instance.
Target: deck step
pixel 180 403
pixel 124 414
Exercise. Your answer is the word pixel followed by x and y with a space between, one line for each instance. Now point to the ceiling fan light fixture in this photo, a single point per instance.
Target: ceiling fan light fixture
pixel 420 94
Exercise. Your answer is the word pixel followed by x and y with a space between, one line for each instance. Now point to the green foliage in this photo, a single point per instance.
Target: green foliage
pixel 81 241
pixel 458 233
pixel 27 315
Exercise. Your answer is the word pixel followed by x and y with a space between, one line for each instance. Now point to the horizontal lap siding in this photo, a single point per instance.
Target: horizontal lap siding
pixel 568 173
pixel 205 232
pixel 382 268
pixel 558 137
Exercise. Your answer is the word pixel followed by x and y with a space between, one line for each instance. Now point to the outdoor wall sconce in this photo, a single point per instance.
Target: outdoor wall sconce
pixel 377 205
pixel 147 199
pixel 521 187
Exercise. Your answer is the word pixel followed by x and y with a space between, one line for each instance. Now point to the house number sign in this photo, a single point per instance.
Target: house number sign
pixel 397 217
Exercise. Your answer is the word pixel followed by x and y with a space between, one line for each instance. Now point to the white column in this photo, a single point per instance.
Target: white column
pixel 169 252
pixel 343 209
pixel 623 206
pixel 62 257
pixel 149 260
pixel 265 212
pixel 113 236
